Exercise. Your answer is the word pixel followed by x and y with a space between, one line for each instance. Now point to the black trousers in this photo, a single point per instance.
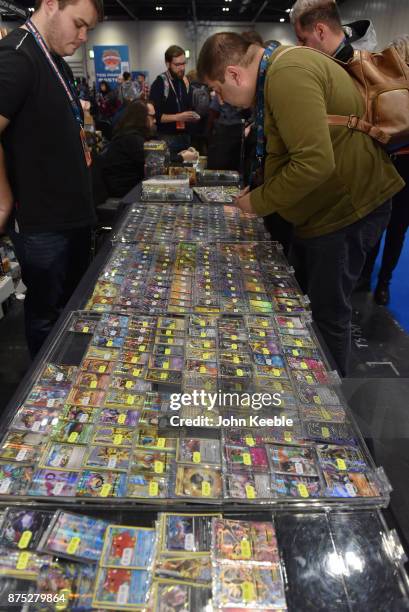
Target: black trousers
pixel 224 147
pixel 52 264
pixel 332 266
pixel 395 232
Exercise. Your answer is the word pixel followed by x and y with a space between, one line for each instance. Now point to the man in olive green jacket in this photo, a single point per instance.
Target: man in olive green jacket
pixel 332 183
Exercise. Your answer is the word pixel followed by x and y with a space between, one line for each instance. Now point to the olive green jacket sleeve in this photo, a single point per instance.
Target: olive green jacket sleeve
pixel 298 134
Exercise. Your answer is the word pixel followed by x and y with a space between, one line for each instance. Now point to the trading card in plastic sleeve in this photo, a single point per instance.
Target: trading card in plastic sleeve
pixel 151 462
pixel 310 377
pixel 57 375
pixel 71 583
pixel 198 451
pixel 148 486
pixel 13 450
pixel 46 397
pixel 335 414
pixel 185 569
pixel 107 435
pixel 75 537
pixel 118 416
pixel 102 354
pixel 123 398
pixel 128 547
pixel 341 458
pixel 72 432
pixel 246 541
pixel 83 325
pixel 101 484
pixel 149 438
pixel 40 420
pixel 21 564
pixel 198 482
pixel 178 595
pixel 97 366
pixel 82 414
pixel 245 457
pixel 239 586
pixel 336 433
pixel 92 380
pixel 14 478
pixel 288 485
pixel 23 529
pixel 115 321
pixel 108 458
pixel 349 484
pixel 246 485
pixel 318 396
pixel 296 460
pixel 84 397
pixel 185 534
pixel 62 457
pixel 53 483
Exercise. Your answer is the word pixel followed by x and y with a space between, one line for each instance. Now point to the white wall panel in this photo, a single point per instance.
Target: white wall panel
pixel 390 17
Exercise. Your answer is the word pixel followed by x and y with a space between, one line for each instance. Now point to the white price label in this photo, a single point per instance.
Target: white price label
pixel 126 558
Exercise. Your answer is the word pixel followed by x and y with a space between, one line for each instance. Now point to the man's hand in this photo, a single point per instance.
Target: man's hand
pixel 243 200
pixel 189 117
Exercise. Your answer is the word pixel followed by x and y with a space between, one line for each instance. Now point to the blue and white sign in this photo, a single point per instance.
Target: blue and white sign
pixel 110 62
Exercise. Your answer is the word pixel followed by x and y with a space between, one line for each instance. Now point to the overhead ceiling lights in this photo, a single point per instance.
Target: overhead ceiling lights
pixel 288 10
pixel 225 9
pixel 282 20
pixel 159 8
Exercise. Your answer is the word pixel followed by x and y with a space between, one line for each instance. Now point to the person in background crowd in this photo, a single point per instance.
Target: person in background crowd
pixel 317 24
pixel 107 101
pixel 225 140
pixel 49 199
pixel 171 94
pixel 128 91
pixel 312 176
pixel 201 105
pixel 398 225
pixel 122 163
pixel 83 89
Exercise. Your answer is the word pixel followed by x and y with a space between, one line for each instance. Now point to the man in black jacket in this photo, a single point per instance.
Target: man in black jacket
pixel 45 183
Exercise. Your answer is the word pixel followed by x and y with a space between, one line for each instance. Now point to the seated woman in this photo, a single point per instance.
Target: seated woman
pixel 122 163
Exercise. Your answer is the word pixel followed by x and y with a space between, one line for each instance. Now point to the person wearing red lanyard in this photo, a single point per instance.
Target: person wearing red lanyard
pixel 171 96
pixel 45 185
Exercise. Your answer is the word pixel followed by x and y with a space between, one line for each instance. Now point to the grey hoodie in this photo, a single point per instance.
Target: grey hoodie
pixel 361 35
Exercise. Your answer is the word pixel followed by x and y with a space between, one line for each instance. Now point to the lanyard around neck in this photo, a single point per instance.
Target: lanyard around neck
pixel 178 99
pixel 264 63
pixel 75 105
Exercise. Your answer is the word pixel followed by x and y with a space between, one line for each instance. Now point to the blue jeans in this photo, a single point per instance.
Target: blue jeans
pixel 52 264
pixel 332 265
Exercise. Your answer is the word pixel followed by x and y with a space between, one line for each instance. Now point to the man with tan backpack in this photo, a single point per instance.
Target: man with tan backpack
pixel 333 183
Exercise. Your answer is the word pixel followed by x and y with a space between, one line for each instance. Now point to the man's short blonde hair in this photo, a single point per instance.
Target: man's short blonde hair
pixel 309 12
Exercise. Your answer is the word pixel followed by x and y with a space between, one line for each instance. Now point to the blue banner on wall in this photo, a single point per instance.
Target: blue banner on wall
pixel 110 62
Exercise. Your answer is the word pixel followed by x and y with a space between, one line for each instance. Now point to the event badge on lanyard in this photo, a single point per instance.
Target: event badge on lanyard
pixel 180 125
pixel 75 104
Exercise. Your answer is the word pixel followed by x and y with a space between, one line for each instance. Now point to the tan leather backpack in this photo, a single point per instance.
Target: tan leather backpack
pixel 383 81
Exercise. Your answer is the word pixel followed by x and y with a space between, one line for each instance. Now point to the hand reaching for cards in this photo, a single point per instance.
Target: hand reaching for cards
pixel 243 200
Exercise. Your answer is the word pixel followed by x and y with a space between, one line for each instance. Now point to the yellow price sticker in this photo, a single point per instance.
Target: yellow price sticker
pixel 325 432
pixel 236 359
pixel 128 384
pixel 153 488
pixel 134 359
pixel 276 372
pixel 136 372
pixel 110 343
pixel 144 323
pixel 122 419
pixel 130 400
pixel 265 351
pixel 73 437
pixel 168 332
pixel 164 375
pixel 246 458
pixel 170 341
pixel 234 347
pixel 302 490
pixel 23 560
pixel 85 330
pixel 73 545
pixel 248 591
pixel 303 365
pixel 206 355
pixel 206 489
pixel 250 492
pixel 202 369
pixel 309 379
pixel 206 344
pixel 264 323
pixel 105 490
pixel 161 443
pixel 317 399
pixel 118 438
pixel 142 348
pixel 234 337
pixel 262 334
pixel 93 384
pixel 296 353
pixel 290 324
pixel 168 351
pixel 239 372
pixel 165 365
pixel 326 415
pixel 287 436
pixel 341 465
pixel 250 441
pixel 203 334
pixel 158 467
pixel 64 597
pixel 102 369
pixel 202 323
pixel 196 457
pixel 298 343
pixel 245 549
pixel 25 539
